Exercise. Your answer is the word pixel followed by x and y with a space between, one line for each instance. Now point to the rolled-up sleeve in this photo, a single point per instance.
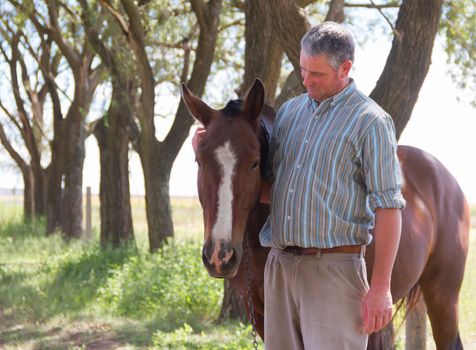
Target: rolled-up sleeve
pixel 381 167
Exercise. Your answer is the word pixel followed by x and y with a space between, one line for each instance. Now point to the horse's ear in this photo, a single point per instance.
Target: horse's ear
pixel 254 101
pixel 197 108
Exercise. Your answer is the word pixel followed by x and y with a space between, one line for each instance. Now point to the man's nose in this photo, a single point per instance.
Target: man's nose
pixel 305 78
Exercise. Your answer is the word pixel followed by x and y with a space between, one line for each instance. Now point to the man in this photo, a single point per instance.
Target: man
pixel 335 174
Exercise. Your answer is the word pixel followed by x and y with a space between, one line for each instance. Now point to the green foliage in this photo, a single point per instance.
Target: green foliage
pixel 458 24
pixel 45 277
pixel 169 286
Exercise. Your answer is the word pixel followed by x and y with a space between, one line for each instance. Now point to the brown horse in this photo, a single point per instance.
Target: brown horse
pixel 434 241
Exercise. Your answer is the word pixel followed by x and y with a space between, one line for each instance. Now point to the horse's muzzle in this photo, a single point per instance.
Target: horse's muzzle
pixel 220 259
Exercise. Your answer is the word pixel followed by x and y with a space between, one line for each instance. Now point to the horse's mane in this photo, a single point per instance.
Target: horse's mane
pixel 233 108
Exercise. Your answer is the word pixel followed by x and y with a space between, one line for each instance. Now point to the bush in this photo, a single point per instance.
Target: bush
pixel 171 286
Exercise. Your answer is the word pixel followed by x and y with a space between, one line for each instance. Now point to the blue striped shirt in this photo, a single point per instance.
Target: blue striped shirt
pixel 334 163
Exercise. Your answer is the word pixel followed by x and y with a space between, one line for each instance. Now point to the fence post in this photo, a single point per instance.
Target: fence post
pixel 415 327
pixel 88 213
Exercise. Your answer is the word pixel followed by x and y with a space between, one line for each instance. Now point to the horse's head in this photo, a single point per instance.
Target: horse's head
pixel 228 157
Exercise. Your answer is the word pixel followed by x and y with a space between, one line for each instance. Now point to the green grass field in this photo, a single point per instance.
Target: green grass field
pixel 55 295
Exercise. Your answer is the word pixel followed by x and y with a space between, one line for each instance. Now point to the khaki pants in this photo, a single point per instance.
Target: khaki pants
pixel 314 302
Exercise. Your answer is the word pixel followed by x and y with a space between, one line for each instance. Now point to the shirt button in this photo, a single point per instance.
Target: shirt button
pixel 298 166
pixel 291 190
pixel 289 217
pixel 306 141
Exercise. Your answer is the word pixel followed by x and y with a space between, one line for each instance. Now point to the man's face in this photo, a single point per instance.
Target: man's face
pixel 320 79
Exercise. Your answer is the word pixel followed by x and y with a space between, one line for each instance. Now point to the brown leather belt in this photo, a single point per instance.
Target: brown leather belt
pixel 351 249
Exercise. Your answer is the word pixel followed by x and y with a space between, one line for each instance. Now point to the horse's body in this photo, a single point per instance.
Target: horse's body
pixel 435 229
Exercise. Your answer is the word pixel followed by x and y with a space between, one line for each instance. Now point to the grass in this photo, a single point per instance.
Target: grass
pixel 55 295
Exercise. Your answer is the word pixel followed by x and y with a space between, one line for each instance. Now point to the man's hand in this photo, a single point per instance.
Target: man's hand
pixel 197 137
pixel 377 309
pixel 377 304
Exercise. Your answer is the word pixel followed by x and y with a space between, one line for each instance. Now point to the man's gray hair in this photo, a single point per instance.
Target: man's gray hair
pixel 331 39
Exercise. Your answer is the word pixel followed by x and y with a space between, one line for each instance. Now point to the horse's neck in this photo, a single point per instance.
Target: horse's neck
pixel 256 220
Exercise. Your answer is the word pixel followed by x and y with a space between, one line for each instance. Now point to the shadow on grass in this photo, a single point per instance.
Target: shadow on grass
pixel 92 335
pixel 62 287
pixel 77 281
pixel 19 229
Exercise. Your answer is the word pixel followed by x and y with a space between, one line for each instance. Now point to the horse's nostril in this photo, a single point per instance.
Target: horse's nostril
pixel 207 254
pixel 226 254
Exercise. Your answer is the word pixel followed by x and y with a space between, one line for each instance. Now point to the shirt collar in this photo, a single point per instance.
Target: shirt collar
pixel 333 100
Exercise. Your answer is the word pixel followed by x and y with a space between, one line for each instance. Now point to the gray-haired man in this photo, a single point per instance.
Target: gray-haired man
pixel 335 174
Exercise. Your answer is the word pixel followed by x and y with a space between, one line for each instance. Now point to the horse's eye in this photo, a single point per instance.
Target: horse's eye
pixel 255 165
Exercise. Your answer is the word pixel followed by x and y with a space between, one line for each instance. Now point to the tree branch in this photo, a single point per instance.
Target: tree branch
pixel 198 7
pixel 231 24
pixel 304 3
pixel 120 20
pixel 336 11
pixel 393 4
pixel 10 116
pixel 395 32
pixel 73 56
pixel 11 150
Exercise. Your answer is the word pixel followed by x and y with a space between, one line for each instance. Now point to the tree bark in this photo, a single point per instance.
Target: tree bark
pixel 415 326
pixel 157 157
pixel 263 55
pixel 112 133
pixel 113 139
pixel 232 307
pixel 409 59
pixel 290 24
pixel 292 87
pixel 73 175
pixel 54 209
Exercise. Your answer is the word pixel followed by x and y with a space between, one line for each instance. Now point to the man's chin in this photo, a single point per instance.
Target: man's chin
pixel 314 95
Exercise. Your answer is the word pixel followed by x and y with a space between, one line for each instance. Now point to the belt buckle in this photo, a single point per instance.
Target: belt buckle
pixel 319 253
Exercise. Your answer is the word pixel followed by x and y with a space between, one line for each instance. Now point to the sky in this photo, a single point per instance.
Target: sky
pixel 439 125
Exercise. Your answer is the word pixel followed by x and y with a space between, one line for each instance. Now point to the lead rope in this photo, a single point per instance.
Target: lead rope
pixel 250 300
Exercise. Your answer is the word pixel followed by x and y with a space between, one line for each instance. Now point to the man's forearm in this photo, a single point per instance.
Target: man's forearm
pixel 388 227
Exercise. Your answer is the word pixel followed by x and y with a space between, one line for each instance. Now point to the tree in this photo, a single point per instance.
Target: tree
pixel 410 57
pixel 114 129
pixel 29 98
pixel 68 146
pixel 157 156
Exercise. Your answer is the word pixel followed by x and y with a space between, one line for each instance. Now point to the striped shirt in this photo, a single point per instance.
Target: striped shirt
pixel 334 163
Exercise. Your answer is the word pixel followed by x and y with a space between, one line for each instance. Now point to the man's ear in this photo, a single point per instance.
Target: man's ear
pixel 197 108
pixel 345 67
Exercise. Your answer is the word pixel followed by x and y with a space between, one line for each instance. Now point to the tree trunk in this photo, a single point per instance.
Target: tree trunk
pixel 290 24
pixel 28 200
pixel 232 307
pixel 292 87
pixel 157 198
pixel 382 339
pixel 40 193
pixel 113 139
pixel 73 175
pixel 54 209
pixel 263 55
pixel 415 327
pixel 409 59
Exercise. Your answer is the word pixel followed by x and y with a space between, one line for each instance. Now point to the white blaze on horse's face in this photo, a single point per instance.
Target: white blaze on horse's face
pixel 222 228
